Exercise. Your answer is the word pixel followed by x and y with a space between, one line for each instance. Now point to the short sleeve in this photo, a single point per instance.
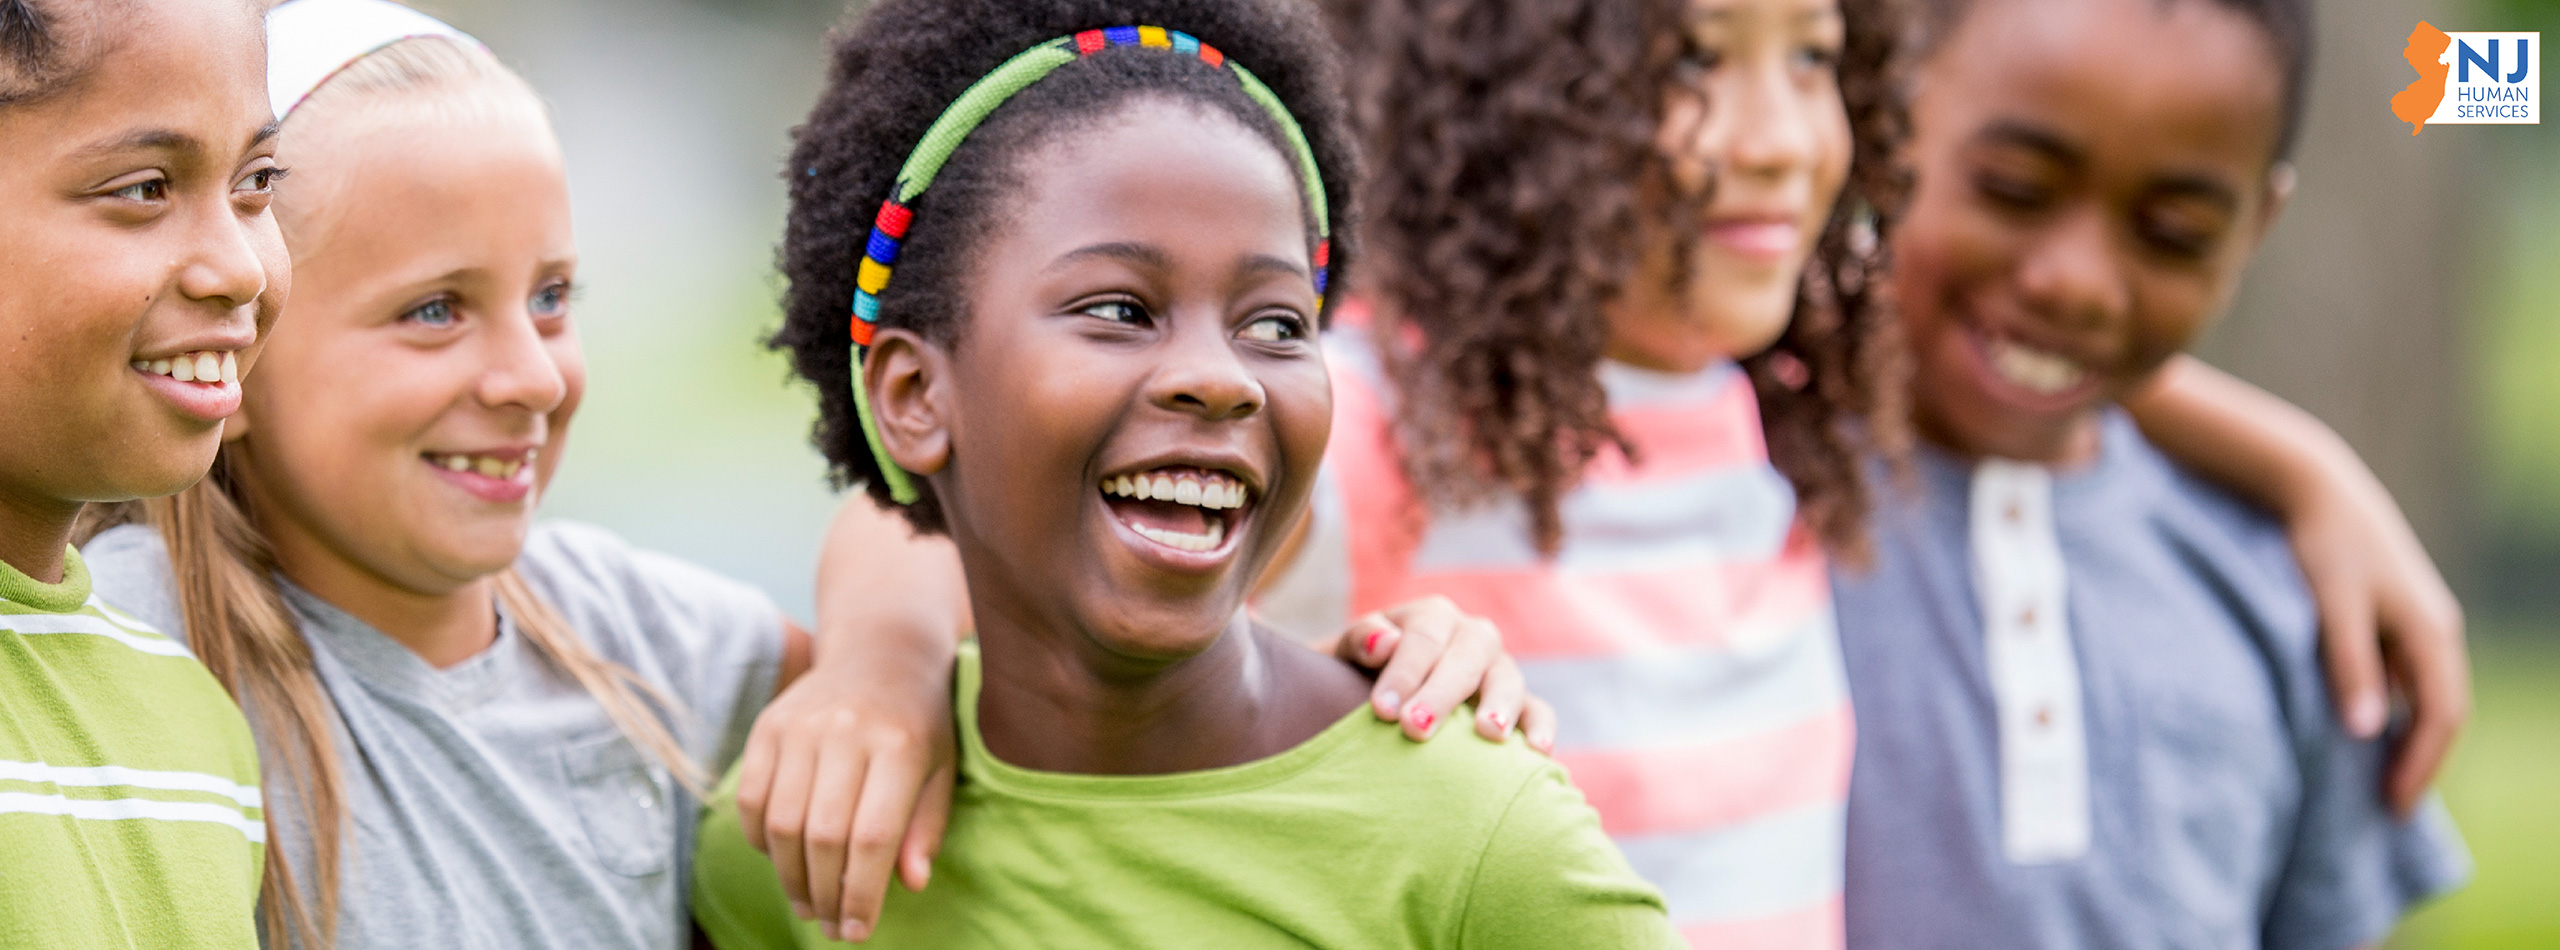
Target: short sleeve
pixel 129 571
pixel 1550 879
pixel 714 642
pixel 2355 868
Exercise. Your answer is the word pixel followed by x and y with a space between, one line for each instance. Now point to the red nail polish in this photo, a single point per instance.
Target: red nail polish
pixel 1369 645
pixel 1423 719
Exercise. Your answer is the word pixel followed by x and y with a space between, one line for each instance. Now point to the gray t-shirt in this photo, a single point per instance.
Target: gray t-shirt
pixel 493 803
pixel 2226 806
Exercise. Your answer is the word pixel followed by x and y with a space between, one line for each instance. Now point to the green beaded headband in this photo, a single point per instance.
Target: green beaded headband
pixel 889 229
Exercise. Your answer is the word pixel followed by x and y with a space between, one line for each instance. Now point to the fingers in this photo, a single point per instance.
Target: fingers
pixel 1538 725
pixel 1368 642
pixel 897 778
pixel 2426 648
pixel 786 816
pixel 1422 631
pixel 924 830
pixel 2351 649
pixel 755 777
pixel 1463 669
pixel 1498 704
pixel 841 775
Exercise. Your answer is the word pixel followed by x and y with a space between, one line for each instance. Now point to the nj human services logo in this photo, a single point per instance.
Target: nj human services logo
pixel 2471 79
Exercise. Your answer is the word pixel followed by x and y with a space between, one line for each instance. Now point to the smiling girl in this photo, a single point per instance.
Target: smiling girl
pixel 139 267
pixel 1093 366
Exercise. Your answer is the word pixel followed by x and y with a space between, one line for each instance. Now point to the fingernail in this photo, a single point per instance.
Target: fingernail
pixel 2368 717
pixel 852 930
pixel 1423 720
pixel 1501 726
pixel 801 910
pixel 1369 644
pixel 1388 704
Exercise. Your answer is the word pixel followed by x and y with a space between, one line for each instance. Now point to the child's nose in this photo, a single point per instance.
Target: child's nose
pixel 1203 377
pixel 225 268
pixel 1771 127
pixel 522 370
pixel 2072 275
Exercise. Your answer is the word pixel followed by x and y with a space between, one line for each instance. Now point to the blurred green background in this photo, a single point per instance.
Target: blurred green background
pixel 2411 297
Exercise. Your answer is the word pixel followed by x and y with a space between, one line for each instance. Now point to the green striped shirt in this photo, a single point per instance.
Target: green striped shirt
pixel 129 808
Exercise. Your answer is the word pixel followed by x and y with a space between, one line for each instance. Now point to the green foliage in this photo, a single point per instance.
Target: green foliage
pixel 2501 785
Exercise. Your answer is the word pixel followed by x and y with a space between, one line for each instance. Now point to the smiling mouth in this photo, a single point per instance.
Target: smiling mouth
pixel 1187 509
pixel 483 465
pixel 2042 372
pixel 210 367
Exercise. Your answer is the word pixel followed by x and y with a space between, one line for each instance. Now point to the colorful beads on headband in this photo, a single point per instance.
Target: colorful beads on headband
pixel 889 230
pixel 889 227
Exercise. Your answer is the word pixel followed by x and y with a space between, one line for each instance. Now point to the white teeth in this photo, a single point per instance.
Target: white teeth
pixel 486 466
pixel 1208 541
pixel 203 366
pixel 1214 491
pixel 2036 370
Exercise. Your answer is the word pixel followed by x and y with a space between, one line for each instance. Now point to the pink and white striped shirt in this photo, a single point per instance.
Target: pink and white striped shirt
pixel 1683 632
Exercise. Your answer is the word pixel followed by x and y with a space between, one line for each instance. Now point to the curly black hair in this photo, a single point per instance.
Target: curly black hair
pixel 1515 147
pixel 899 63
pixel 2288 24
pixel 30 52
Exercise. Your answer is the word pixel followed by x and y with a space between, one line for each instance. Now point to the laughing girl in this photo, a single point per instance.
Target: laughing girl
pixel 1082 344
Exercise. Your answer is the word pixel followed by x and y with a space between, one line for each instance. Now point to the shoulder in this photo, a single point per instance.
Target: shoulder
pixel 627 598
pixel 2239 550
pixel 129 570
pixel 570 560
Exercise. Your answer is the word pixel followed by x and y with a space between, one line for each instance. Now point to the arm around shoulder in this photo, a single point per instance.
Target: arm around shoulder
pixel 1549 878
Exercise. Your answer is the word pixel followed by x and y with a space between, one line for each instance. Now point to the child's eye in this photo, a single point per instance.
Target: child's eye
pixel 263 181
pixel 2011 191
pixel 1818 56
pixel 434 313
pixel 154 189
pixel 551 301
pixel 1275 328
pixel 1116 311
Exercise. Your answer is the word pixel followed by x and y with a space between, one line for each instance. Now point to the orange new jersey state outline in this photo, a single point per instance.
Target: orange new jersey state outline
pixel 2425 53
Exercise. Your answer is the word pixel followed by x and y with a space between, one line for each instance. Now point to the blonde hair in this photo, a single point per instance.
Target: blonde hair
pixel 236 618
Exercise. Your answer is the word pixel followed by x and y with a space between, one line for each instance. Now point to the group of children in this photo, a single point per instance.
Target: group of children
pixel 1731 396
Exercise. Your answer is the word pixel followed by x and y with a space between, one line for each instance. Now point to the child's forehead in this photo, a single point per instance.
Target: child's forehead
pixel 2186 82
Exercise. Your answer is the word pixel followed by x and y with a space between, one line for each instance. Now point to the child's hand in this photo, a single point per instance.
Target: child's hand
pixel 1431 656
pixel 2386 618
pixel 846 778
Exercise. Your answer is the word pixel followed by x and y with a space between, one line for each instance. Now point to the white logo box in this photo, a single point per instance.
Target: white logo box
pixel 2489 61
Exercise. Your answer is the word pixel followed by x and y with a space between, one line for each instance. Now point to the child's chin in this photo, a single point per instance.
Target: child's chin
pixel 176 465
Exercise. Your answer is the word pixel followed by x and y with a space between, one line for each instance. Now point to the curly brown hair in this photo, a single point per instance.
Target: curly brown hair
pixel 1511 144
pixel 898 63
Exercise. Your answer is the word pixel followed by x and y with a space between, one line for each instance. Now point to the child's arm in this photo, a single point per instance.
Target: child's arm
pixel 2380 597
pixel 847 776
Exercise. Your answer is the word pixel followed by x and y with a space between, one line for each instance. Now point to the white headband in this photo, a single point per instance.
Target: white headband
pixel 309 41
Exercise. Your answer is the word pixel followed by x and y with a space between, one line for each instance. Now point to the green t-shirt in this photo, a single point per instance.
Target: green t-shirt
pixel 129 808
pixel 1356 838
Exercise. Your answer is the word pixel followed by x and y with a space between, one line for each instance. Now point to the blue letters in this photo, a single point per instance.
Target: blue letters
pixel 2469 56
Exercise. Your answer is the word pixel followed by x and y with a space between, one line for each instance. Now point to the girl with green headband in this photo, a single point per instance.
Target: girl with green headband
pixel 1082 331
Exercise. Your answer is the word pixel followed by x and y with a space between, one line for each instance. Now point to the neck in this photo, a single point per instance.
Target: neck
pixel 1052 699
pixel 441 628
pixel 33 532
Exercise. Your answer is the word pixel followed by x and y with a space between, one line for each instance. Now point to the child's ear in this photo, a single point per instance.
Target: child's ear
pixel 909 382
pixel 2280 180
